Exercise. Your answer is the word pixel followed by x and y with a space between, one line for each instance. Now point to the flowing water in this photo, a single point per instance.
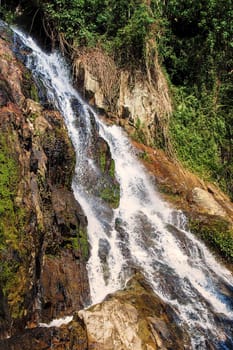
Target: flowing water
pixel 143 234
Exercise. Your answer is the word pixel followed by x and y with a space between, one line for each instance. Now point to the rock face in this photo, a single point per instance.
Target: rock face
pixel 43 241
pixel 133 319
pixel 139 102
pixel 205 200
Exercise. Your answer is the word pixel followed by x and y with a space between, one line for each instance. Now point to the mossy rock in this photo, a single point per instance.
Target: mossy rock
pixel 12 221
pixel 80 243
pixel 111 195
pixel 109 190
pixel 216 232
pixel 28 85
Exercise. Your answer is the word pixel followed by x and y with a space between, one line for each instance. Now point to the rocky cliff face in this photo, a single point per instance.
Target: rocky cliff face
pixel 43 243
pixel 137 100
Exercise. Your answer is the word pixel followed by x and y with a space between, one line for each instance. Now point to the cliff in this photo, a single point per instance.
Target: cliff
pixel 43 243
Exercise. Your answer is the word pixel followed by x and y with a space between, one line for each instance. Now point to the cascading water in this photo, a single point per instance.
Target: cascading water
pixel 143 233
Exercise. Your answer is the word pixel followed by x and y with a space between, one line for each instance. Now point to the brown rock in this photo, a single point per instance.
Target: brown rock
pixel 71 336
pixel 206 202
pixel 133 319
pixel 64 286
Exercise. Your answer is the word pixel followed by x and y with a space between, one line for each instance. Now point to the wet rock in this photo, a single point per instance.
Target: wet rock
pixel 133 319
pixel 11 72
pixel 104 249
pixel 64 288
pixel 99 179
pixel 71 336
pixel 66 209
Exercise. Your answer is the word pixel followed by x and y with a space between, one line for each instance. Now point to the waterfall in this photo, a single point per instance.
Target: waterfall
pixel 144 233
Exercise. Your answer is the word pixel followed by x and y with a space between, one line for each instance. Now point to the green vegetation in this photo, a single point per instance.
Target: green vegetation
pixel 139 134
pixel 6 11
pixel 28 86
pixel 103 162
pixel 218 235
pixel 121 27
pixel 80 242
pixel 111 194
pixel 104 165
pixel 109 189
pixel 197 52
pixel 12 220
pixel 8 181
pixel 145 156
pixel 197 132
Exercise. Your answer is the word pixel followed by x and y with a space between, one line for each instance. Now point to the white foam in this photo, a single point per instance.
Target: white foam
pixel 58 322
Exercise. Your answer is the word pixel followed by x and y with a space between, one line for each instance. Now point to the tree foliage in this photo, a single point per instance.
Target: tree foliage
pixel 197 51
pixel 120 27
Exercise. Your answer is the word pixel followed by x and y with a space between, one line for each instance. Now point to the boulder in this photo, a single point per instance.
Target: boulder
pixel 133 319
pixel 206 202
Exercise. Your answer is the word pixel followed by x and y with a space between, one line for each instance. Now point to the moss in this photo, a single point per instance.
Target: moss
pixel 28 86
pixel 112 169
pixel 12 219
pixel 139 133
pixel 103 162
pixel 111 195
pixel 80 243
pixel 8 180
pixel 107 165
pixel 145 156
pixel 217 233
pixel 34 93
pixel 109 189
pixel 7 176
pixel 83 241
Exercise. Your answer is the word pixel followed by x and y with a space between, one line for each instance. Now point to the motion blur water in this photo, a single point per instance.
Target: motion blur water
pixel 143 234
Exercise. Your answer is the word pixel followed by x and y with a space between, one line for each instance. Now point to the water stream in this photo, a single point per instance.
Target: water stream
pixel 143 233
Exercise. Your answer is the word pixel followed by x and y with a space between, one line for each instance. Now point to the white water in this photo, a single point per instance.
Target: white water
pixel 58 322
pixel 180 268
